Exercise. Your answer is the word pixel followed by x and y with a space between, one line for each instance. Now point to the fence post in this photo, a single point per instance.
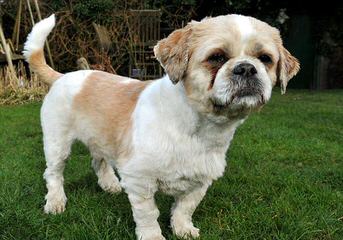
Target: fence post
pixel 7 53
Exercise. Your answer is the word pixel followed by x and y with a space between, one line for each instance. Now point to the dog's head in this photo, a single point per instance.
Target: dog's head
pixel 228 64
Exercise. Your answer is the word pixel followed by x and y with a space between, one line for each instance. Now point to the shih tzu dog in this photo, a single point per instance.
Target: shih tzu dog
pixel 170 134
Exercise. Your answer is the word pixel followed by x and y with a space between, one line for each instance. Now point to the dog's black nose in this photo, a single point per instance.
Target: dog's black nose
pixel 245 69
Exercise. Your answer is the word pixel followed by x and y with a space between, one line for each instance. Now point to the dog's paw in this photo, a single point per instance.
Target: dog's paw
pixel 150 237
pixel 184 229
pixel 186 232
pixel 55 205
pixel 149 234
pixel 110 185
pixel 160 237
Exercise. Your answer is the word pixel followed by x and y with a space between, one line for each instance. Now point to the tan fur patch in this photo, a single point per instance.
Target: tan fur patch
pixel 108 101
pixel 173 53
pixel 288 67
pixel 38 65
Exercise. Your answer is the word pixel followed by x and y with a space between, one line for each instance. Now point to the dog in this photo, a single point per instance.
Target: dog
pixel 170 134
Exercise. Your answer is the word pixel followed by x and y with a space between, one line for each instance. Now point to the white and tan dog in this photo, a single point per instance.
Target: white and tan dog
pixel 170 134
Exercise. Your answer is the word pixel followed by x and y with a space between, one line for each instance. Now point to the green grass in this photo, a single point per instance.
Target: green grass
pixel 284 180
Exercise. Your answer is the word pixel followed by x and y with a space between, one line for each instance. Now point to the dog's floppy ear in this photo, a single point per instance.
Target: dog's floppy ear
pixel 288 67
pixel 173 53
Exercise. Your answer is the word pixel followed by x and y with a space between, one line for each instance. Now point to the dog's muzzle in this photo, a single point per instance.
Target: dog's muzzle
pixel 246 82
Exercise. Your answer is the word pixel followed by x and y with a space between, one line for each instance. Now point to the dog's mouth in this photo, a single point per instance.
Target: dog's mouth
pixel 242 99
pixel 247 93
pixel 254 96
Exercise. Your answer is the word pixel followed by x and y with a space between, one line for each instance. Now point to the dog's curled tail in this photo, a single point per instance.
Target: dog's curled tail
pixel 34 50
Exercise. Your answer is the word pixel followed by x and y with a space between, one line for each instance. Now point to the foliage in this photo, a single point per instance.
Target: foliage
pixel 22 95
pixel 284 179
pixel 26 88
pixel 74 35
pixel 175 13
pixel 94 10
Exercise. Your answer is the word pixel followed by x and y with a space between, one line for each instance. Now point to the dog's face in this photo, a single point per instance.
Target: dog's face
pixel 228 64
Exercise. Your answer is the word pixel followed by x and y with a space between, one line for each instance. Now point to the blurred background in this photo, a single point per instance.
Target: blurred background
pixel 118 36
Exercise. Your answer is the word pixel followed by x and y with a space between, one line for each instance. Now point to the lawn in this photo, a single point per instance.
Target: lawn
pixel 284 179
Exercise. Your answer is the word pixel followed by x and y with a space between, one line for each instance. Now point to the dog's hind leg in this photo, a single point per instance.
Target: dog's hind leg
pixel 107 179
pixel 58 136
pixel 56 149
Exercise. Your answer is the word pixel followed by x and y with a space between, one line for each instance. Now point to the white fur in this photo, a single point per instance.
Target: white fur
pixel 175 150
pixel 36 39
pixel 163 118
pixel 244 26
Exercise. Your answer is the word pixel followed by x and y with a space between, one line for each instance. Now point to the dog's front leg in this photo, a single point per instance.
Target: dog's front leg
pixel 144 209
pixel 183 209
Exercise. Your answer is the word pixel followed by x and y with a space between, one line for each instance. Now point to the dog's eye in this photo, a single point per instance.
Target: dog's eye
pixel 217 58
pixel 265 58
